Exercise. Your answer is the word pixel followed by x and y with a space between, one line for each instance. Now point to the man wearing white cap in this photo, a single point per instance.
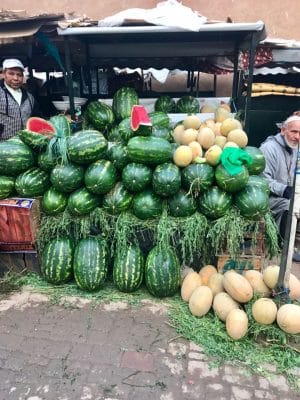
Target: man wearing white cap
pixel 280 152
pixel 16 104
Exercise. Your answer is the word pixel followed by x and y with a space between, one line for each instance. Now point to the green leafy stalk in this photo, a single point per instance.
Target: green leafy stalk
pixel 272 245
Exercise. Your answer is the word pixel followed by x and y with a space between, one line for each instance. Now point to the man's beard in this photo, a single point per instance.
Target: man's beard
pixel 290 144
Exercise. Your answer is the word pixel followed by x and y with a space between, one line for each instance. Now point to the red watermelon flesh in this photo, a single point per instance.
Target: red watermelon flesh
pixel 139 116
pixel 41 126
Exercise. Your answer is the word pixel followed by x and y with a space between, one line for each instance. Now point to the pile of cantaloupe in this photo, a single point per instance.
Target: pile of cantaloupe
pixel 227 293
pixel 204 141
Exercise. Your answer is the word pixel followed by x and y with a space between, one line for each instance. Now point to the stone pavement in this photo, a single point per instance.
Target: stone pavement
pixel 111 351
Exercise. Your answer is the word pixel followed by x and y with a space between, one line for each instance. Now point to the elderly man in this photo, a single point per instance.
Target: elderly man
pixel 280 152
pixel 16 104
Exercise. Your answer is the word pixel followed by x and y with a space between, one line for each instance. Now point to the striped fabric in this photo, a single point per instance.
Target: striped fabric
pixel 12 116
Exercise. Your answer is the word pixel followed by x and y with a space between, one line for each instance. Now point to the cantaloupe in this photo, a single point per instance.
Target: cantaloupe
pixel 229 124
pixel 237 286
pixel 237 324
pixel 288 318
pixel 225 105
pixel 217 128
pixel 206 272
pixel 208 123
pixel 221 114
pixel 215 283
pixel 213 155
pixel 200 301
pixel 192 121
pixel 294 286
pixel 255 279
pixel 207 108
pixel 270 275
pixel 189 135
pixel 264 311
pixel 230 144
pixel 206 137
pixel 184 271
pixel 183 156
pixel 239 137
pixel 223 304
pixel 177 133
pixel 220 141
pixel 189 284
pixel 196 149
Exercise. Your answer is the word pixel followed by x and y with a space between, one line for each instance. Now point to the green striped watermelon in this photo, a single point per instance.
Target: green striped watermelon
pixel 253 202
pixel 46 161
pixel 100 115
pixel 128 270
pixel 231 183
pixel 259 161
pixel 32 183
pixel 188 104
pixel 149 150
pixel 160 119
pixel 118 155
pixel 86 146
pixel 260 182
pixel 117 200
pixel 162 272
pixel 57 261
pixel 197 177
pixel 54 202
pixel 100 177
pixel 166 179
pixel 90 263
pixel 123 100
pixel 182 204
pixel 124 130
pixel 67 178
pixel 61 125
pixel 136 177
pixel 162 132
pixel 146 205
pixel 82 202
pixel 15 158
pixel 214 202
pixel 37 133
pixel 165 104
pixel 7 186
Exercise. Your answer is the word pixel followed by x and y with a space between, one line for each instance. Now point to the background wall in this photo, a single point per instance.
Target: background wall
pixel 281 18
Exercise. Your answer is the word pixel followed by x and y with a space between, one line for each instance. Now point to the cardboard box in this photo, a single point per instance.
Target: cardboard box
pixel 19 223
pixel 245 262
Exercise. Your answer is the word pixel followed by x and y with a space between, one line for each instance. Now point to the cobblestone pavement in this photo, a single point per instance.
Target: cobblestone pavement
pixel 112 351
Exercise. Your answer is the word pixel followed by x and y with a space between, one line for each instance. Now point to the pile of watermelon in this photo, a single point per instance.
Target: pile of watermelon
pixel 120 164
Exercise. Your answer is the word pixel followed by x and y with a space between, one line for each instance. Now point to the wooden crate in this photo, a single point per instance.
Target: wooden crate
pixel 245 262
pixel 19 261
pixel 19 223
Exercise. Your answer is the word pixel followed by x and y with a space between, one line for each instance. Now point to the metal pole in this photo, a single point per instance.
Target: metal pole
pixel 69 76
pixel 250 80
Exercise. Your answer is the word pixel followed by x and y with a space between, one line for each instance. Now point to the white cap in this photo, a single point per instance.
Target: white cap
pixel 291 119
pixel 12 63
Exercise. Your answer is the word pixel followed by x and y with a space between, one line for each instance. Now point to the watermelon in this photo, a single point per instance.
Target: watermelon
pixel 57 261
pixel 54 202
pixel 159 119
pixel 214 202
pixel 46 161
pixel 124 130
pixel 162 272
pixel 67 178
pixel 7 186
pixel 118 155
pixel 90 263
pixel 197 177
pixel 146 205
pixel 86 146
pixel 139 116
pixel 182 204
pixel 149 150
pixel 259 161
pixel 166 180
pixel 123 101
pixel 37 133
pixel 188 104
pixel 15 139
pixel 117 200
pixel 252 201
pixel 113 134
pixel 259 181
pixel 162 132
pixel 231 183
pixel 165 104
pixel 82 202
pixel 100 115
pixel 61 125
pixel 32 183
pixel 128 269
pixel 100 177
pixel 15 158
pixel 136 177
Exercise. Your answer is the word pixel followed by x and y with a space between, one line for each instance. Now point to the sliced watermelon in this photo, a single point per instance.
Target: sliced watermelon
pixel 139 116
pixel 40 125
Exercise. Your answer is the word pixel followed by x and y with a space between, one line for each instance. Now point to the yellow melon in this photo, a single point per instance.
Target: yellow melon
pixel 196 149
pixel 206 272
pixel 213 155
pixel 294 286
pixel 264 311
pixel 200 301
pixel 217 128
pixel 239 137
pixel 189 284
pixel 255 279
pixel 192 121
pixel 183 156
pixel 229 124
pixel 188 135
pixel 237 286
pixel 225 105
pixel 237 324
pixel 208 123
pixel 288 318
pixel 221 114
pixel 206 137
pixel 270 276
pixel 177 133
pixel 207 108
pixel 183 273
pixel 215 282
pixel 223 304
pixel 230 144
pixel 220 141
